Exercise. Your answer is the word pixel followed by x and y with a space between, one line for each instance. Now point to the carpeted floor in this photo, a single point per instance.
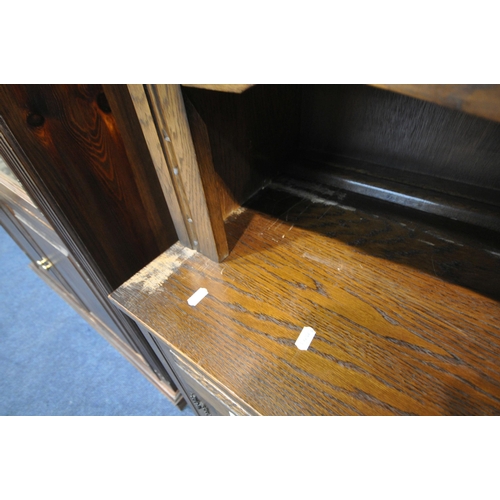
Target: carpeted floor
pixel 52 362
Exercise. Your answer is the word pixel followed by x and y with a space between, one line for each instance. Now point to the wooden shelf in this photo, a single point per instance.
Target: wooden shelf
pixel 476 99
pixel 235 88
pixel 479 100
pixel 406 313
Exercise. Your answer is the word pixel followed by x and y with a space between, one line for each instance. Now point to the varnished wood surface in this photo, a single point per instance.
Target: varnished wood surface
pixel 64 146
pixel 193 185
pixel 461 202
pixel 246 137
pixel 156 151
pixel 72 140
pixel 406 314
pixel 400 132
pixel 141 164
pixel 476 99
pixel 235 88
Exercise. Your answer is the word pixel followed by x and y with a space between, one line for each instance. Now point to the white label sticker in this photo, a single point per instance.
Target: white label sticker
pixel 305 338
pixel 197 296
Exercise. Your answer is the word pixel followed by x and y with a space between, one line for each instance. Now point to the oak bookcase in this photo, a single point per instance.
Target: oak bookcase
pixel 369 213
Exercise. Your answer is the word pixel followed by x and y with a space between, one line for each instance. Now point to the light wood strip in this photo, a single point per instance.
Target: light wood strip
pixel 199 204
pixel 479 100
pixel 139 98
pixel 228 87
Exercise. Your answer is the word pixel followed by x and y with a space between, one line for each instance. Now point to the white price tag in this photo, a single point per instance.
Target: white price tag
pixel 197 296
pixel 305 338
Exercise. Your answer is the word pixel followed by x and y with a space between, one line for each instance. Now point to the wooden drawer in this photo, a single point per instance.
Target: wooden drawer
pixel 206 395
pixel 203 401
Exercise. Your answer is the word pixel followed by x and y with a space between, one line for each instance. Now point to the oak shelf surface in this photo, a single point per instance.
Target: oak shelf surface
pixel 405 311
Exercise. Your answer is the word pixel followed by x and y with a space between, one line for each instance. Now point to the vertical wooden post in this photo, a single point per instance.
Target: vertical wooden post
pixel 190 192
pixel 199 208
pixel 156 151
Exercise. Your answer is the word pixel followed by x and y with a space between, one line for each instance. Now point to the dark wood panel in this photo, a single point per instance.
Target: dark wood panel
pixel 71 137
pixel 394 130
pixel 144 141
pixel 212 186
pixel 142 167
pixel 476 99
pixel 399 329
pixel 248 137
pixel 479 207
pixel 39 177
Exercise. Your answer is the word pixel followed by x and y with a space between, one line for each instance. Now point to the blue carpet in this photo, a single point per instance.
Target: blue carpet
pixel 52 362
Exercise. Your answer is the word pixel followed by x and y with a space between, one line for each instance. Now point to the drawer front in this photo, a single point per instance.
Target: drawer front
pixel 205 394
pixel 204 402
pixel 207 390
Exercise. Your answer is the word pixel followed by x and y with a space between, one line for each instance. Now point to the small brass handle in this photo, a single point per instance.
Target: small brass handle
pixel 44 263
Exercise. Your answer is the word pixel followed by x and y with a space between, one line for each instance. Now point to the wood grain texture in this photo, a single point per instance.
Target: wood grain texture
pixel 397 131
pixel 434 186
pixel 80 157
pixel 408 190
pixel 141 164
pixel 204 220
pixel 38 240
pixel 247 137
pixel 227 87
pixel 399 328
pixel 216 396
pixel 156 151
pixel 476 99
pixel 62 167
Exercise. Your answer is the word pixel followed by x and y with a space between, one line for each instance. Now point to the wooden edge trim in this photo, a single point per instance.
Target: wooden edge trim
pixel 235 88
pixel 203 216
pixel 147 122
pixel 479 100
